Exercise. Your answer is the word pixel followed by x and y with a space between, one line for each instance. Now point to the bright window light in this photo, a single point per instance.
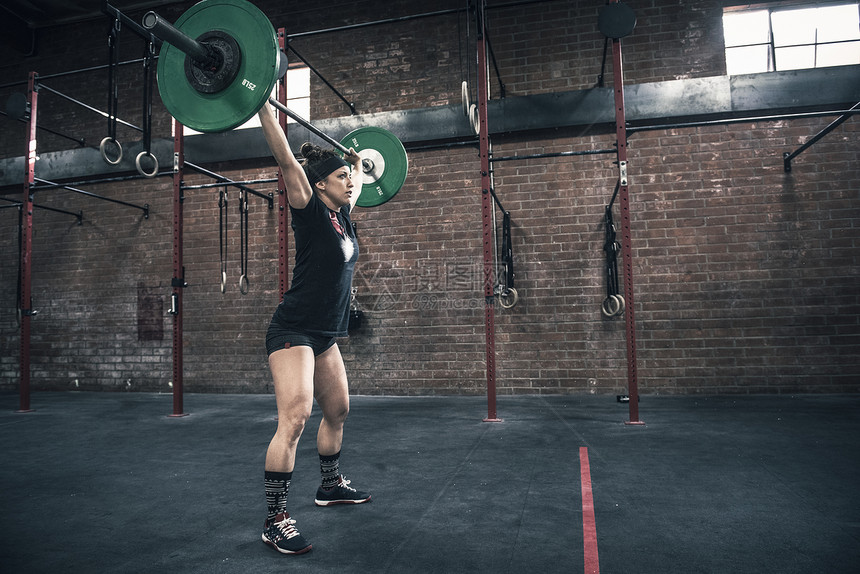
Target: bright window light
pixel 298 98
pixel 775 37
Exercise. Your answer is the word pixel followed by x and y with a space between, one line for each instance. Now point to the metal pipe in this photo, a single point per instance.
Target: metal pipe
pixel 79 215
pixel 165 31
pixel 487 213
pixel 178 283
pixel 228 181
pixel 283 202
pixel 70 72
pixel 635 129
pixel 105 180
pixel 376 23
pixel 626 248
pixel 557 154
pixel 54 185
pixel 787 157
pixel 222 184
pixel 133 26
pixel 410 17
pixel 497 202
pixel 80 141
pixel 326 82
pixel 496 67
pixel 442 145
pixel 87 106
pixel 25 276
pixel 308 125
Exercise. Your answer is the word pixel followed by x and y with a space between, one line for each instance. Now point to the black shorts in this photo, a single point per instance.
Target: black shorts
pixel 277 339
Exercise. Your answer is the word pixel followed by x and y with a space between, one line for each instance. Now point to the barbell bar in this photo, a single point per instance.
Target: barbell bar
pixel 383 158
pixel 312 128
pixel 218 66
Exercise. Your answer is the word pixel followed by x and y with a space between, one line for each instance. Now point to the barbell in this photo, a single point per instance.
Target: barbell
pixel 217 68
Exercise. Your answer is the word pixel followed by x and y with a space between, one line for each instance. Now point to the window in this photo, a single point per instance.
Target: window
pixel 767 38
pixel 298 98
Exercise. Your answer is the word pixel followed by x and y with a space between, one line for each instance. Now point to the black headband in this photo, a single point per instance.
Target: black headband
pixel 320 171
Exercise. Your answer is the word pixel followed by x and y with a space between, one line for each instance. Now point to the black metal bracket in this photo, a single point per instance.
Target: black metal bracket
pixel 787 157
pixel 496 67
pixel 179 281
pixel 316 72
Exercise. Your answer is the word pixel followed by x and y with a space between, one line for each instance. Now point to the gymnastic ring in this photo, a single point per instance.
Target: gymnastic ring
pixel 103 150
pixel 508 298
pixel 243 284
pixel 621 304
pixel 223 282
pixel 475 119
pixel 611 306
pixel 140 170
pixel 464 92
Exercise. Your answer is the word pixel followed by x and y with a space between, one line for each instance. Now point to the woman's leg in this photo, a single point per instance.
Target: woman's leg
pixel 331 391
pixel 332 394
pixel 293 375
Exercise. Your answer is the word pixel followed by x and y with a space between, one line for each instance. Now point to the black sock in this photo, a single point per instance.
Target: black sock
pixel 277 488
pixel 330 470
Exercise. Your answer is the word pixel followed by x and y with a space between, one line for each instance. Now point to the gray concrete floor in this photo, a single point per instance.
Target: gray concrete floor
pixel 108 483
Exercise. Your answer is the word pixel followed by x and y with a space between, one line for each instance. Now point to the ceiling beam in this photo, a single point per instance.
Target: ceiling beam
pixel 565 114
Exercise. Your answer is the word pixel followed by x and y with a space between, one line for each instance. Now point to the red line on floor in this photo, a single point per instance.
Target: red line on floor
pixel 589 525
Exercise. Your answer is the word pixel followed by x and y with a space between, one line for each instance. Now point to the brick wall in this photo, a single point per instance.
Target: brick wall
pixel 745 277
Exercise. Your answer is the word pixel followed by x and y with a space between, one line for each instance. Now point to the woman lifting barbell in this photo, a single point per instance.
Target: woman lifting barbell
pixel 304 358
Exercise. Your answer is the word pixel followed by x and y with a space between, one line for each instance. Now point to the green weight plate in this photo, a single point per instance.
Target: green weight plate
pixel 390 163
pixel 258 71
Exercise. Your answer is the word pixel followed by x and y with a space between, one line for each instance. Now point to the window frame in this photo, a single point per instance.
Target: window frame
pixel 772 64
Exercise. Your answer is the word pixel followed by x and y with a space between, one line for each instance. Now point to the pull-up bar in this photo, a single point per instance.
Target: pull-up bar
pixel 80 141
pixel 79 215
pixel 54 185
pixel 87 106
pixel 228 181
pixel 222 184
pixel 554 154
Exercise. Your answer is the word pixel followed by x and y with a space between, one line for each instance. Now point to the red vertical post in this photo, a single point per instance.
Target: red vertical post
pixel 178 281
pixel 283 206
pixel 626 251
pixel 487 213
pixel 25 304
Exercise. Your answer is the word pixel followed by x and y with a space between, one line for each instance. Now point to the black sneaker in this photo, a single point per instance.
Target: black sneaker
pixel 280 533
pixel 343 493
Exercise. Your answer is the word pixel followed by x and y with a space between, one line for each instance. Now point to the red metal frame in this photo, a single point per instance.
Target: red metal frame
pixel 283 208
pixel 626 251
pixel 487 215
pixel 178 281
pixel 24 304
